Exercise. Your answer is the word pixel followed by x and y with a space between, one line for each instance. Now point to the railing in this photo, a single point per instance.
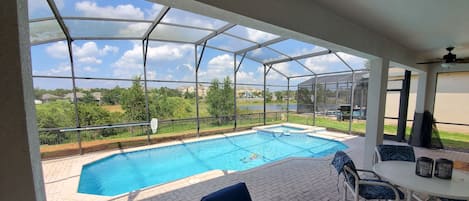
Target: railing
pixel 74 137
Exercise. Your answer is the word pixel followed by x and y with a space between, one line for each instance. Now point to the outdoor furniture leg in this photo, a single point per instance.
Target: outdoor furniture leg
pixel 409 195
pixel 345 192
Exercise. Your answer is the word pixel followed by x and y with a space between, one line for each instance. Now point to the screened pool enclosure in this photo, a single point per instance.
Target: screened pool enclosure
pixel 102 50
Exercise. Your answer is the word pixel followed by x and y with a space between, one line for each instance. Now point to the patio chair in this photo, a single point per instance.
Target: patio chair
pixel 369 189
pixel 237 192
pixel 386 152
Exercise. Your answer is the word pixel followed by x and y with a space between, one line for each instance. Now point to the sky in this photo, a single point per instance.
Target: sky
pixel 165 60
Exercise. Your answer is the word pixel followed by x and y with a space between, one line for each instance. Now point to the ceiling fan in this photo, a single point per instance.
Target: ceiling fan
pixel 448 60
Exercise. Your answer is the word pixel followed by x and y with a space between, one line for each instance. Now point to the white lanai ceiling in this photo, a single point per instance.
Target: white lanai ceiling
pixel 425 26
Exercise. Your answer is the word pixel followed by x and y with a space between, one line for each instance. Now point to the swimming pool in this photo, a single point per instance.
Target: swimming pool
pixel 125 172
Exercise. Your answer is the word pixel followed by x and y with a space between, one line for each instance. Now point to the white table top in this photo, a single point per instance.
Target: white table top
pixel 403 174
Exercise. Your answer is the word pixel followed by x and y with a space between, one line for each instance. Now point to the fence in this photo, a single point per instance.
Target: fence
pixel 140 132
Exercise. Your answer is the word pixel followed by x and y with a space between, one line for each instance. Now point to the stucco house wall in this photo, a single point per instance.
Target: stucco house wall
pixel 451 103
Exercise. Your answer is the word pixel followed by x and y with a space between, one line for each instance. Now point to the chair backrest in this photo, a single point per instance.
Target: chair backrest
pixel 340 160
pixel 395 153
pixel 237 192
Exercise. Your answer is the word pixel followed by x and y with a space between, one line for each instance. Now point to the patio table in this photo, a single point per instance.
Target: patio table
pixel 402 173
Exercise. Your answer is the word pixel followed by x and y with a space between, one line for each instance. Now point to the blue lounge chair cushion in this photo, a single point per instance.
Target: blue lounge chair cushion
pixel 396 153
pixel 340 160
pixel 237 192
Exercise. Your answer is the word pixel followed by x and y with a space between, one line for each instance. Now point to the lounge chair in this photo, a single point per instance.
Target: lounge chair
pixel 237 192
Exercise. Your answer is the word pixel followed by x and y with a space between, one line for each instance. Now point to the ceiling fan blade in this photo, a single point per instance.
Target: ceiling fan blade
pixel 462 60
pixel 430 62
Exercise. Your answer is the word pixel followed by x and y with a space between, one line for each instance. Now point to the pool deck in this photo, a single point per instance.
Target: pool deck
pixel 290 179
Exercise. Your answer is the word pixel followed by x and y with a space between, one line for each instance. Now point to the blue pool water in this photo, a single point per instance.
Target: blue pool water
pixel 125 172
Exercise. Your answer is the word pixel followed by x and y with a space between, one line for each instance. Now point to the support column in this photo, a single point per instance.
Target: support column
pixel 74 91
pixel 145 88
pixel 197 91
pixel 236 69
pixel 265 75
pixel 288 96
pixel 403 107
pixel 352 90
pixel 426 92
pixel 21 171
pixel 235 112
pixel 197 66
pixel 375 108
pixel 315 102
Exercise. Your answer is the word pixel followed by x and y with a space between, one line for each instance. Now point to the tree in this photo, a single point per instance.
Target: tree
pixel 56 114
pixel 91 114
pixel 133 101
pixel 169 92
pixel 88 98
pixel 279 96
pixel 268 96
pixel 220 101
pixel 188 95
pixel 112 96
pixel 164 107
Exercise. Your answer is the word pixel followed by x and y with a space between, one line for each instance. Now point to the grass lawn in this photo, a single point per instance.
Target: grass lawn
pixel 451 140
pixel 113 108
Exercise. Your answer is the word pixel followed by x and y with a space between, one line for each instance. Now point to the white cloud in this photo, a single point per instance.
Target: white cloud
pixel 109 49
pixel 246 77
pixel 134 29
pixel 61 70
pixel 168 52
pixel 282 67
pixel 219 67
pixel 90 69
pixel 89 52
pixel 154 11
pixel 129 63
pixel 256 35
pixel 187 18
pixel 85 56
pixel 58 50
pixel 273 75
pixel 89 60
pixel 42 6
pixel 169 77
pixel 151 75
pixel 330 63
pixel 125 11
pixel 322 63
pixel 88 48
pixel 189 67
